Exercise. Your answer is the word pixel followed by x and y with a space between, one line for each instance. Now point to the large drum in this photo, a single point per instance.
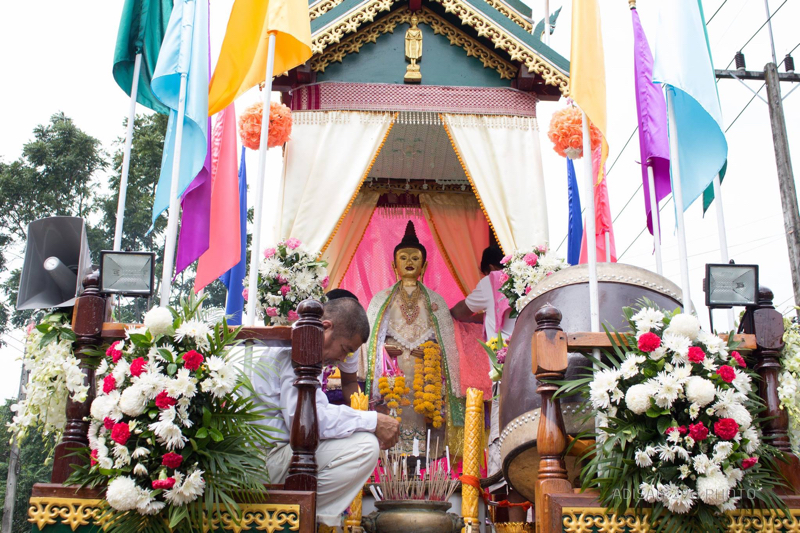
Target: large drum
pixel 568 290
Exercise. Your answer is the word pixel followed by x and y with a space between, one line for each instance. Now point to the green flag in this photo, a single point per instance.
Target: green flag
pixel 141 30
pixel 708 194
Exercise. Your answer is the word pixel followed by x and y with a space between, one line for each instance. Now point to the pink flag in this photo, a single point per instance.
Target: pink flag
pixel 602 219
pixel 224 243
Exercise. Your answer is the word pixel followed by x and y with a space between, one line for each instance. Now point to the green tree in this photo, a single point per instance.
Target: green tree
pixel 55 176
pixel 34 467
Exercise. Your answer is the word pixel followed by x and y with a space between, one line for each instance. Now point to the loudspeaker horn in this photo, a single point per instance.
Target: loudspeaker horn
pixel 57 259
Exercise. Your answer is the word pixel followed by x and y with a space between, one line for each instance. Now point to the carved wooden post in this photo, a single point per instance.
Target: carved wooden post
pixel 87 323
pixel 549 352
pixel 307 340
pixel 767 325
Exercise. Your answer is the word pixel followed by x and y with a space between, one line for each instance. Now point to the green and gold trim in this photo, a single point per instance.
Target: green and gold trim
pixel 76 512
pixel 353 43
pixel 599 520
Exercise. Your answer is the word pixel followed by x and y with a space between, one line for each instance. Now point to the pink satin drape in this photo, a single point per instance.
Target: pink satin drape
pixel 343 246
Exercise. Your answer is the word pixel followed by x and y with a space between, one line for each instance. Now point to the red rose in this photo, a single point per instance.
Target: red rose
pixel 113 353
pixel 165 484
pixel 726 373
pixel 120 433
pixel 109 384
pixel 698 431
pixel 137 366
pixel 163 401
pixel 192 360
pixel 748 462
pixel 680 429
pixel 726 428
pixel 108 423
pixel 93 460
pixel 172 460
pixel 648 342
pixel 736 356
pixel 696 355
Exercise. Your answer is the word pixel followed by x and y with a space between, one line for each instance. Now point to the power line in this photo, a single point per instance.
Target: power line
pixel 715 12
pixel 761 27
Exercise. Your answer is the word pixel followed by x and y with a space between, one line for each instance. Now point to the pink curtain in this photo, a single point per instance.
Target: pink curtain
pixel 371 270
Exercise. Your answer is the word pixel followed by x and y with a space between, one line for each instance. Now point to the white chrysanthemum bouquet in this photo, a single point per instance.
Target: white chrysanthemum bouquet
pixel 675 414
pixel 287 275
pixel 175 429
pixel 525 268
pixel 789 381
pixel 55 376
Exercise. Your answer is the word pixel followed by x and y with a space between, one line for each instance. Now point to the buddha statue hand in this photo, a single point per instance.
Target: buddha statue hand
pixel 418 352
pixel 392 350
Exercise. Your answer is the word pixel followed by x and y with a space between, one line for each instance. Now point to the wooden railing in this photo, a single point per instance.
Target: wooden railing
pixel 762 339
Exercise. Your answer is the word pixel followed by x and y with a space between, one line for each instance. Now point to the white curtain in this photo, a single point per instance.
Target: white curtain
pixel 327 157
pixel 503 159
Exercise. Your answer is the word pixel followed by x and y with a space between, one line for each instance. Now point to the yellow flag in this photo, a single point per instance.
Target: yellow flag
pixel 242 60
pixel 587 72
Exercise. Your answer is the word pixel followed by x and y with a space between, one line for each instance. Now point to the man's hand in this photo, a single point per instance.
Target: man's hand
pixel 387 430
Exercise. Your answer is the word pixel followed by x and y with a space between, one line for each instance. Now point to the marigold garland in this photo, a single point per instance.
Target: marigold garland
pixel 393 389
pixel 280 125
pixel 428 384
pixel 566 133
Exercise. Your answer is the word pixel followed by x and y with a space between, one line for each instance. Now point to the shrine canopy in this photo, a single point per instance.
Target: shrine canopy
pixel 439 109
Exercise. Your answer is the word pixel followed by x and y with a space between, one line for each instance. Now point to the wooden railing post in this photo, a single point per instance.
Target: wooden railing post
pixel 87 323
pixel 767 325
pixel 549 352
pixel 307 341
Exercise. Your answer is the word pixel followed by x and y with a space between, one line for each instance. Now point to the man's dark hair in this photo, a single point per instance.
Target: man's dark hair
pixel 491 257
pixel 335 294
pixel 348 318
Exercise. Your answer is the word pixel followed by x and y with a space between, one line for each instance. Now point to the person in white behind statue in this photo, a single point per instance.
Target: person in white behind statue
pixel 349 440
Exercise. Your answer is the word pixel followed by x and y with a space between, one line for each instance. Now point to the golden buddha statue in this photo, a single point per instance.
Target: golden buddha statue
pixel 410 362
pixel 413 50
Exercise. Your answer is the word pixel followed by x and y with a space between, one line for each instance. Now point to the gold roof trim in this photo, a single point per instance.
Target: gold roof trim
pixel 323 6
pixel 370 34
pixel 512 14
pixel 348 23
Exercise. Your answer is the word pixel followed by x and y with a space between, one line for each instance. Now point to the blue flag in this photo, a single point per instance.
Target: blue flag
pixel 184 51
pixel 233 279
pixel 683 63
pixel 575 233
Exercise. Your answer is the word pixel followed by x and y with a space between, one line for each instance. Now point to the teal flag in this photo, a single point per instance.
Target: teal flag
pixel 141 30
pixel 708 194
pixel 683 63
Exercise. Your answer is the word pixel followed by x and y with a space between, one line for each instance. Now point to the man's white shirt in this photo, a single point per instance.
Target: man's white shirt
pixel 481 300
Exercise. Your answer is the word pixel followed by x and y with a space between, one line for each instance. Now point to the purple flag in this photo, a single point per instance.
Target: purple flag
pixel 196 216
pixel 652 111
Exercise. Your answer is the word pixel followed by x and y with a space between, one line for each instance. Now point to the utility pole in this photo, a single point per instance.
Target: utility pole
pixel 791 212
pixel 13 465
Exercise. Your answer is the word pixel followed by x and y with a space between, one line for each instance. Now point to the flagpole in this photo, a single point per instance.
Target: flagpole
pixel 172 221
pixel 591 237
pixel 678 197
pixel 723 237
pixel 608 246
pixel 255 250
pixel 655 217
pixel 547 23
pixel 126 157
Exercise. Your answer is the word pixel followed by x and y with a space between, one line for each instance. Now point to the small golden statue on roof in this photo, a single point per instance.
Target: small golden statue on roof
pixel 413 51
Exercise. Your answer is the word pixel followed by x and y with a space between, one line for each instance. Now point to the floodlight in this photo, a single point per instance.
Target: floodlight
pixel 728 285
pixel 127 273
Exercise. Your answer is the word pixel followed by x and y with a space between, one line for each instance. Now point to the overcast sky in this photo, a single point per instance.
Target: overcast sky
pixel 57 57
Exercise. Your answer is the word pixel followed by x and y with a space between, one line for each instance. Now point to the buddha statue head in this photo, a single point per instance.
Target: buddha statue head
pixel 410 257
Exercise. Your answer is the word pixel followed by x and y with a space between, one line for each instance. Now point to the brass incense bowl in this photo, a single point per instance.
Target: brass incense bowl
pixel 419 516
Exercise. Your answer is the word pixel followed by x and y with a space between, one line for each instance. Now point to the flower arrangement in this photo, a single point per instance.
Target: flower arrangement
pixel 525 268
pixel 496 348
pixel 55 376
pixel 428 384
pixel 789 381
pixel 288 274
pixel 674 408
pixel 175 429
pixel 280 125
pixel 566 133
pixel 394 392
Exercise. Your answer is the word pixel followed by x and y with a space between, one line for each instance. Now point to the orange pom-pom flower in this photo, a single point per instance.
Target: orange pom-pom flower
pixel 280 125
pixel 566 133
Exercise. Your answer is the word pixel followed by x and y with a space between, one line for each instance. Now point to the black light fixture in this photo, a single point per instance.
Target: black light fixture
pixel 730 285
pixel 127 273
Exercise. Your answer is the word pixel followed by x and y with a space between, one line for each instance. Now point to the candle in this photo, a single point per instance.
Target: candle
pixel 374 494
pixel 447 456
pixel 415 451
